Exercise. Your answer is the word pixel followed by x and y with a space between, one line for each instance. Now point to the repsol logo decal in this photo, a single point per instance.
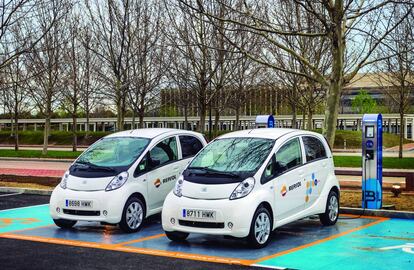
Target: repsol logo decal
pixel 168 179
pixel 294 186
pixel 158 182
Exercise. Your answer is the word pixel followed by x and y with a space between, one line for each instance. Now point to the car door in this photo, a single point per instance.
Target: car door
pixel 286 173
pixel 163 171
pixel 316 168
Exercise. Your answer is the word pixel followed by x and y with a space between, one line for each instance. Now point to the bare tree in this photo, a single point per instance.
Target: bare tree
pixel 342 20
pixel 196 40
pixel 91 94
pixel 17 94
pixel 396 73
pixel 181 86
pixel 45 62
pixel 148 62
pixel 20 12
pixel 74 56
pixel 110 24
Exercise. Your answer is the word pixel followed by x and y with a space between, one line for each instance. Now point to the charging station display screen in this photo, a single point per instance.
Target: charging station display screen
pixel 369 132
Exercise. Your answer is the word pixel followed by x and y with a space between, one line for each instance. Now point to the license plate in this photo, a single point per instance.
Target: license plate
pixel 199 214
pixel 78 203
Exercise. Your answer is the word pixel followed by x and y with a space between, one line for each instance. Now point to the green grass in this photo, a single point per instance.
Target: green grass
pixel 38 154
pixel 340 161
pixel 388 162
pixel 56 137
pixel 354 139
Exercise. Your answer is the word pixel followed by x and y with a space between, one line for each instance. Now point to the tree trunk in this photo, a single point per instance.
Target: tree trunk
pixel 119 106
pixel 74 134
pixel 310 115
pixel 141 119
pixel 402 127
pixel 237 123
pixel 87 124
pixel 46 132
pixel 11 125
pixel 16 133
pixel 216 121
pixel 336 78
pixel 294 115
pixel 304 119
pixel 133 119
pixel 202 113
pixel 185 117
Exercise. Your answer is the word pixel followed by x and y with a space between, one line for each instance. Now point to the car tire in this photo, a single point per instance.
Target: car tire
pixel 331 214
pixel 64 223
pixel 132 216
pixel 177 236
pixel 260 228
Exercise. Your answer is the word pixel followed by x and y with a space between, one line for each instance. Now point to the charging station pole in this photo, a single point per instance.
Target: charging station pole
pixel 372 161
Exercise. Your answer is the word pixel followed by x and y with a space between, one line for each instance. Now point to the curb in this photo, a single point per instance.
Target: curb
pixel 377 212
pixel 43 192
pixel 37 159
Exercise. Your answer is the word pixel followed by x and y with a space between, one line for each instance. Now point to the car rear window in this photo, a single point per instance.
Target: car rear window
pixel 190 145
pixel 314 148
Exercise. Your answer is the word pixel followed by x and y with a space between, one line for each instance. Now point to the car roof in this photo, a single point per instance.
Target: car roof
pixel 151 133
pixel 268 133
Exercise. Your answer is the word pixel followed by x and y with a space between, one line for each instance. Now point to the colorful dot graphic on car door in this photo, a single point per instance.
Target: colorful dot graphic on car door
pixel 310 185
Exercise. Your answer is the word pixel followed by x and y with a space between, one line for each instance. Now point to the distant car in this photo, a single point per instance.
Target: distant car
pixel 123 177
pixel 247 183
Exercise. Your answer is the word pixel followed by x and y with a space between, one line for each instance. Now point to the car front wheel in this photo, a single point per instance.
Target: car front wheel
pixel 332 209
pixel 261 228
pixel 132 216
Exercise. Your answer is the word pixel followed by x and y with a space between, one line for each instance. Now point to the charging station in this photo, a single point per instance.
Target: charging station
pixel 372 161
pixel 265 121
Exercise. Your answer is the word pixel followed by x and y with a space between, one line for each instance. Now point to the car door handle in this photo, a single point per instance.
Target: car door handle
pixel 144 180
pixel 300 173
pixel 324 164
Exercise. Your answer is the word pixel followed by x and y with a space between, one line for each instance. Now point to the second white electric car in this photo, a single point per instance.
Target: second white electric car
pixel 123 177
pixel 247 183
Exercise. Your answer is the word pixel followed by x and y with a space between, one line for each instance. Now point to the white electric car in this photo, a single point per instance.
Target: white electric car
pixel 247 183
pixel 123 177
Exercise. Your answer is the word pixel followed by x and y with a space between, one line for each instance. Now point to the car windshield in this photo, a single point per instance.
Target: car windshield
pixel 114 152
pixel 233 156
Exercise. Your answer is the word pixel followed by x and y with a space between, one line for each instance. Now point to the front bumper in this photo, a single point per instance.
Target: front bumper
pixel 239 212
pixel 112 202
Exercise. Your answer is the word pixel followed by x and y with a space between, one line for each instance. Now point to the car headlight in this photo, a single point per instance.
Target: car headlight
pixel 64 180
pixel 117 182
pixel 243 189
pixel 178 188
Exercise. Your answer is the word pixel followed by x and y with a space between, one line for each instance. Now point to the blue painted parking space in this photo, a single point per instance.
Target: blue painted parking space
pixel 386 245
pixel 305 244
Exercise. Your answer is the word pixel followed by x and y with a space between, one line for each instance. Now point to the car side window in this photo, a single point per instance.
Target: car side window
pixel 190 145
pixel 288 156
pixel 314 148
pixel 165 151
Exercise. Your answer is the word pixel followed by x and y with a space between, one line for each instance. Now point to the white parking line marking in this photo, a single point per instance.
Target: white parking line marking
pixel 11 194
pixel 24 207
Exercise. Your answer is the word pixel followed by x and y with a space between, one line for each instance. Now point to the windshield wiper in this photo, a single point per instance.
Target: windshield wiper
pixel 210 171
pixel 95 167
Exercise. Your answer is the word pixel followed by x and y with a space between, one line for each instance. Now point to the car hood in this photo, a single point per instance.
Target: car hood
pixel 88 184
pixel 209 192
